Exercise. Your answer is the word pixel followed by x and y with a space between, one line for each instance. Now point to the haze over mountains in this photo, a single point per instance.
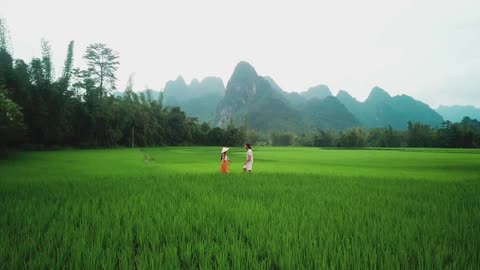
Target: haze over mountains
pixel 198 99
pixel 456 113
pixel 261 104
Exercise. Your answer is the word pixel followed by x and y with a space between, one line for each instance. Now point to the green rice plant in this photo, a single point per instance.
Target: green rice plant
pixel 300 208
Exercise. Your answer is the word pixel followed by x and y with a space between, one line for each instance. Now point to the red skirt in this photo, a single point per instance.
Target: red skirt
pixel 224 167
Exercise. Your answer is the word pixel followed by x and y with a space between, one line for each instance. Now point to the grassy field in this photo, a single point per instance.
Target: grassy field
pixel 301 208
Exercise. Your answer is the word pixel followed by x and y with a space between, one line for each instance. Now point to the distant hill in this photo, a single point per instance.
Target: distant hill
pixel 176 92
pixel 297 98
pixel 198 99
pixel 328 113
pixel 380 110
pixel 319 108
pixel 456 113
pixel 293 98
pixel 263 105
pixel 320 91
pixel 250 99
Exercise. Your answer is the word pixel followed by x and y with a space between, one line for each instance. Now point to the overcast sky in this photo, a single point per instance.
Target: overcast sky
pixel 427 49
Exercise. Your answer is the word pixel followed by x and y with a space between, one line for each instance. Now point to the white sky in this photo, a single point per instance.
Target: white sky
pixel 428 49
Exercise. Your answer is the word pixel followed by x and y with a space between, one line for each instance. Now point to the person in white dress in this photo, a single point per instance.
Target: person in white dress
pixel 249 162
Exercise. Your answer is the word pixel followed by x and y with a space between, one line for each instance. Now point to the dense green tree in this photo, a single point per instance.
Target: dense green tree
pixel 468 133
pixel 215 136
pixel 4 37
pixel 22 93
pixel 252 137
pixel 324 138
pixel 47 63
pixel 67 67
pixel 282 138
pixel 11 121
pixel 420 135
pixel 102 64
pixel 200 133
pixel 7 74
pixel 234 136
pixel 354 137
pixel 383 137
pixel 448 134
pixel 305 139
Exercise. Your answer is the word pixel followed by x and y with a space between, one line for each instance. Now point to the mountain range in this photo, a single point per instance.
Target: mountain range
pixel 198 99
pixel 380 109
pixel 261 104
pixel 456 113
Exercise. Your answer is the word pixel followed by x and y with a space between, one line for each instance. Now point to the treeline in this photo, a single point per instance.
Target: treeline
pixel 77 109
pixel 465 134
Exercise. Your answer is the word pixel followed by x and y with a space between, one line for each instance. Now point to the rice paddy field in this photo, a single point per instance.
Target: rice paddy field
pixel 169 208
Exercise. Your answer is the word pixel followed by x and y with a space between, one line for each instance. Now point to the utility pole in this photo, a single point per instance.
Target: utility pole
pixel 133 137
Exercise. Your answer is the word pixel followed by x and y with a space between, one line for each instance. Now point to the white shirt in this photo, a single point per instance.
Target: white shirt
pixel 250 153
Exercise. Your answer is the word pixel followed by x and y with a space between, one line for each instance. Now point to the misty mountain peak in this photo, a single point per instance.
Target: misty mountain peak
pixel 180 79
pixel 343 94
pixel 457 112
pixel 243 70
pixel 194 83
pixel 242 85
pixel 250 97
pixel 178 83
pixel 320 91
pixel 378 94
pixel 273 84
pixel 213 80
